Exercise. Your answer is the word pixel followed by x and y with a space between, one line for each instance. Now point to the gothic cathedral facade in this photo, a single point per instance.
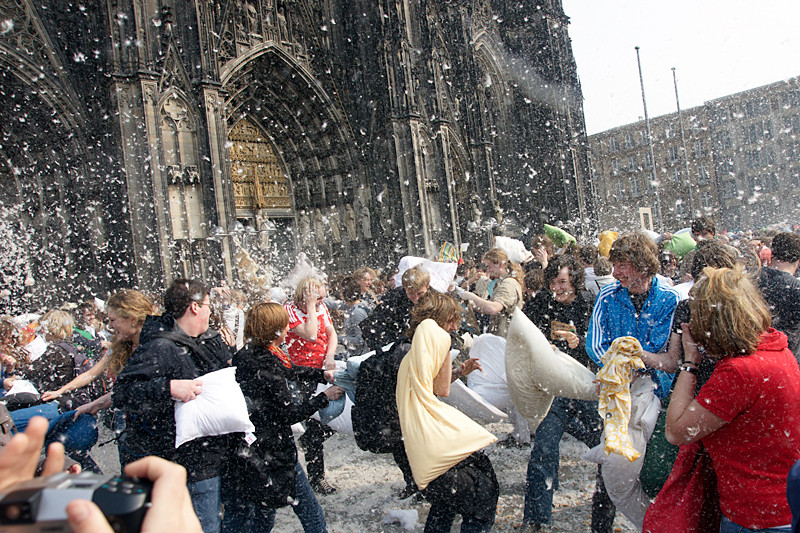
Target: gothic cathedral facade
pixel 137 133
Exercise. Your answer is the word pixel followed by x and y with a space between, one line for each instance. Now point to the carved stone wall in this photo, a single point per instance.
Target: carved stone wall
pixel 369 129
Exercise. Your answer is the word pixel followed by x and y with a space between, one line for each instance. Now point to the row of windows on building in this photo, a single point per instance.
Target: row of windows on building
pixel 754 185
pixel 673 156
pixel 754 133
pixel 675 173
pixel 672 131
pixel 758 106
pixel 751 159
pixel 706 197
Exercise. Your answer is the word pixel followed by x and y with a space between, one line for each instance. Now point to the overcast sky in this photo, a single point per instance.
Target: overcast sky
pixel 718 48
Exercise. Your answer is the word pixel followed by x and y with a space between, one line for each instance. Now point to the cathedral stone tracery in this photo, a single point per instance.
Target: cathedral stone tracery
pixel 397 122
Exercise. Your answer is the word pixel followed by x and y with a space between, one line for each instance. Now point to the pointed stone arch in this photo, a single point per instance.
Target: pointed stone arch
pixel 309 137
pixel 43 142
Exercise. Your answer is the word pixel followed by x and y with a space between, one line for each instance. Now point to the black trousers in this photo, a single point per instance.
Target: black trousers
pixel 400 457
pixel 313 439
pixel 470 489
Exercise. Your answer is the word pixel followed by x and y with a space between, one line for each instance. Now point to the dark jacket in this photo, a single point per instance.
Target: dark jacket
pixel 781 290
pixel 54 369
pixel 265 470
pixel 142 392
pixel 543 310
pixel 376 423
pixel 388 321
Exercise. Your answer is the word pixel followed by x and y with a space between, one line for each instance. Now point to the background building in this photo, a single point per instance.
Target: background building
pixel 740 165
pixel 138 132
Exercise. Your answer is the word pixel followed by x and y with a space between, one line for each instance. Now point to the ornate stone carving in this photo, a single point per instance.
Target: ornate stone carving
pixel 350 222
pixel 173 73
pixel 335 222
pixel 258 176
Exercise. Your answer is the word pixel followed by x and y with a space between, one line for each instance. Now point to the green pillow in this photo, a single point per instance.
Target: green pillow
pixel 680 244
pixel 558 235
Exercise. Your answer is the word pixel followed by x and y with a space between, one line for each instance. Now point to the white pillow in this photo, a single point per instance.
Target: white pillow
pixel 514 248
pixel 536 372
pixel 218 409
pixel 22 385
pixel 471 404
pixel 342 423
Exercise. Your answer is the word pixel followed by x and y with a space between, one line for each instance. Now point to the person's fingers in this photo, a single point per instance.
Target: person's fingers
pixel 166 476
pixel 85 517
pixel 171 504
pixel 54 463
pixel 19 458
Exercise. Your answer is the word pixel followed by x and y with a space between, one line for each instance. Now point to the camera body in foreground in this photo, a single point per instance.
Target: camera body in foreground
pixel 39 504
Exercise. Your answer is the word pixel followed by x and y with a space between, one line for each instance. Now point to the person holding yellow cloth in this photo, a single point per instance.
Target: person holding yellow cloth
pixel 442 443
pixel 619 362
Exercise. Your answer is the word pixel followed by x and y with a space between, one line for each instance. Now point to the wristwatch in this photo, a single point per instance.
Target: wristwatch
pixel 688 368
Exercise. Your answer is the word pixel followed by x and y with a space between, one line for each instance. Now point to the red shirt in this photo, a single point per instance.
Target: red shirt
pixel 303 352
pixel 759 396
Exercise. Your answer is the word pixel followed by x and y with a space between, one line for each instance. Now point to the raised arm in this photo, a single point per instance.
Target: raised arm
pixel 487 307
pixel 333 342
pixel 308 329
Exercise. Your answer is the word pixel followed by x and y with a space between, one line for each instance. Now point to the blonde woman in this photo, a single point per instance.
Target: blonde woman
pixel 443 445
pixel 507 294
pixel 312 341
pixel 749 407
pixel 55 368
pixel 126 311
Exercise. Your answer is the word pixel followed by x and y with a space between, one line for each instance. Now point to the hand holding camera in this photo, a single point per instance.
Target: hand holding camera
pixel 28 504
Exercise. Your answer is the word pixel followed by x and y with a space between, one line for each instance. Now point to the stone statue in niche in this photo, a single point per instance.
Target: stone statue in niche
pixel 319 228
pixel 261 221
pixel 304 223
pixel 385 218
pixel 335 222
pixel 350 222
pixel 366 219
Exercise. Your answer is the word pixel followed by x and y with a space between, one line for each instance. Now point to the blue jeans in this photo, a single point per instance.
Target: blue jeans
pixel 243 515
pixel 80 434
pixel 347 380
pixel 579 418
pixel 21 417
pixel 726 526
pixel 77 436
pixel 206 503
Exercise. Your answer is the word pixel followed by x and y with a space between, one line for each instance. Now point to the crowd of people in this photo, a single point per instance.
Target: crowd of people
pixel 710 323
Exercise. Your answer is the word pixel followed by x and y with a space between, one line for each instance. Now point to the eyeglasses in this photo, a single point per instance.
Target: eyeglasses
pixel 202 303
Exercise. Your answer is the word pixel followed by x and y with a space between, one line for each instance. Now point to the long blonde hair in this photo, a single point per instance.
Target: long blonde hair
pixel 728 313
pixel 130 305
pixel 498 255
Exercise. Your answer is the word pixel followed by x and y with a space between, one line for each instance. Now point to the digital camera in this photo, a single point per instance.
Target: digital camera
pixel 39 504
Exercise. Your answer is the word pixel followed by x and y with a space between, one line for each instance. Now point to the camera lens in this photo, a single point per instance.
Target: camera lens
pixel 12 512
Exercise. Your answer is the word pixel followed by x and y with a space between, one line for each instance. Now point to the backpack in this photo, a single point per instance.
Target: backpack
pixel 82 362
pixel 376 424
pixel 92 348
